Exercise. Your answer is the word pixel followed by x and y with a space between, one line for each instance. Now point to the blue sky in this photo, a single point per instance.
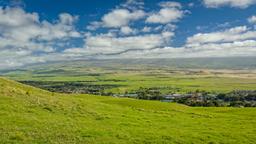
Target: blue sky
pixel 52 30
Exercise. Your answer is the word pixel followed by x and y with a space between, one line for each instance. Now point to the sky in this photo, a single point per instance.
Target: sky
pixel 43 31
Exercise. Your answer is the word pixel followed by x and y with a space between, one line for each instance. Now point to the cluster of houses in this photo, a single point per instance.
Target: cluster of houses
pixel 239 98
pixel 171 97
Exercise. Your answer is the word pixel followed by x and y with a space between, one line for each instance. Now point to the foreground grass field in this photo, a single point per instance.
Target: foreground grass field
pixel 30 115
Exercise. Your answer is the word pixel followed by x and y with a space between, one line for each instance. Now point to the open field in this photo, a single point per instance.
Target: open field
pixel 130 76
pixel 30 115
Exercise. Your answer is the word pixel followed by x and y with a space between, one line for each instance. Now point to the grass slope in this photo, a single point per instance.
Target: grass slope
pixel 30 115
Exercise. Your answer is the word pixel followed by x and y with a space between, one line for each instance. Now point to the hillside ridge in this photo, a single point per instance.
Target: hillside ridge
pixel 31 115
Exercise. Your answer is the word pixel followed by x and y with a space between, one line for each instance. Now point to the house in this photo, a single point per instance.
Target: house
pixel 172 96
pixel 131 95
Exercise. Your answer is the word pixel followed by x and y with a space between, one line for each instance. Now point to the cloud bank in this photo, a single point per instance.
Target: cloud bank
pixel 232 3
pixel 27 38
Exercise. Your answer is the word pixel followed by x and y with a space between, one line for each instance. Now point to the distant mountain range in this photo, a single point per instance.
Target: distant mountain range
pixel 178 63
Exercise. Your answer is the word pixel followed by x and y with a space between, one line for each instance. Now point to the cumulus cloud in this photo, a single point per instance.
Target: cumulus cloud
pixel 126 30
pixel 241 48
pixel 170 4
pixel 133 4
pixel 146 29
pixel 121 17
pixel 67 19
pixel 107 44
pixel 117 18
pixel 24 35
pixel 18 25
pixel 229 35
pixel 169 13
pixel 231 3
pixel 252 19
pixel 236 41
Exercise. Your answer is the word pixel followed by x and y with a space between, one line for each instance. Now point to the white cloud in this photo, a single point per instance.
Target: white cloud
pixel 169 4
pixel 231 3
pixel 169 13
pixel 18 25
pixel 94 25
pixel 133 4
pixel 167 35
pixel 158 28
pixel 146 29
pixel 107 44
pixel 242 48
pixel 121 17
pixel 23 35
pixel 229 35
pixel 126 30
pixel 11 17
pixel 68 19
pixel 113 44
pixel 236 41
pixel 191 4
pixel 223 25
pixel 252 19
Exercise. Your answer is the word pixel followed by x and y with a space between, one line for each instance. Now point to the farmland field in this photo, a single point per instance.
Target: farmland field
pixel 128 75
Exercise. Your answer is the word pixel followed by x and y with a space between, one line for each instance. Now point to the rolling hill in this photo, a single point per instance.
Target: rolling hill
pixel 31 115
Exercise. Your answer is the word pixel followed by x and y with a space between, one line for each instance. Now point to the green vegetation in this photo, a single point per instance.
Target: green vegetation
pixel 232 99
pixel 31 115
pixel 125 79
pixel 126 76
pixel 126 82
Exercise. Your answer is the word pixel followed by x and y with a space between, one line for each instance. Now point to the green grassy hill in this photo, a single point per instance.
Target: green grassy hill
pixel 30 115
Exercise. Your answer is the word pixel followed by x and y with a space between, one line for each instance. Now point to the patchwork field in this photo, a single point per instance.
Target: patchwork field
pixel 126 79
pixel 31 115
